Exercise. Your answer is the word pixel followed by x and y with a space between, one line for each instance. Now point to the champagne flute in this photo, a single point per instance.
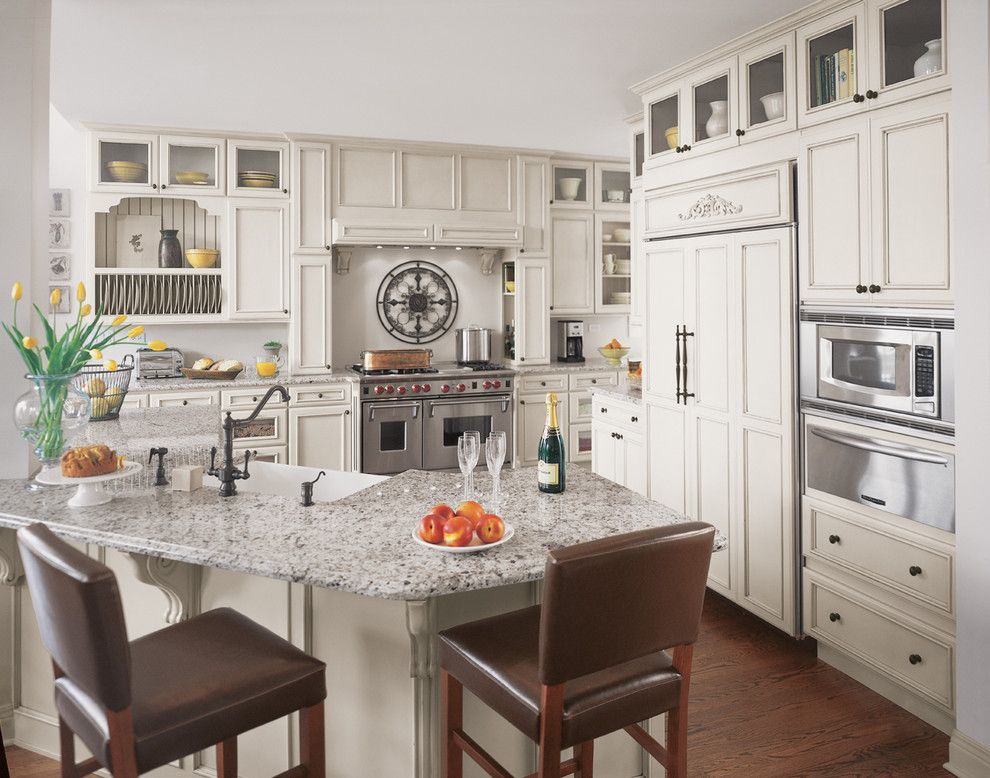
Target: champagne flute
pixel 495 456
pixel 475 452
pixel 467 447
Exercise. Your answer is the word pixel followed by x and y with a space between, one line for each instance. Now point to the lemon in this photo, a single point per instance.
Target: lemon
pixel 113 391
pixel 96 387
pixel 100 406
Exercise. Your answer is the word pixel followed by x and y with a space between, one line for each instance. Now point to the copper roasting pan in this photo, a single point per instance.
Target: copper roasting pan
pixel 396 359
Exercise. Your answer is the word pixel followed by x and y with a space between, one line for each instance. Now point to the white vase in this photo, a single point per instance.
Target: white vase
pixel 931 61
pixel 718 122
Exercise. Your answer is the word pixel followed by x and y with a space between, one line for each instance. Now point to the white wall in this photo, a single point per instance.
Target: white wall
pixel 969 29
pixel 547 74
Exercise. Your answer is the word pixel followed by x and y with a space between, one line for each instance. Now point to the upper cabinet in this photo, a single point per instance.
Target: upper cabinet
pixel 192 165
pixel 534 199
pixel 712 108
pixel 311 223
pixel 767 91
pixel 258 168
pixel 663 122
pixel 870 54
pixel 612 189
pixel 573 184
pixel 123 162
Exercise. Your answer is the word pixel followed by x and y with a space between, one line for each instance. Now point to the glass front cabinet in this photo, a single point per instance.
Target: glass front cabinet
pixel 258 168
pixel 122 162
pixel 191 165
pixel 767 94
pixel 613 263
pixel 573 185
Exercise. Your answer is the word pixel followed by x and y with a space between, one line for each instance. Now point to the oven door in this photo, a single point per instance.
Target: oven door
pixel 391 437
pixel 447 420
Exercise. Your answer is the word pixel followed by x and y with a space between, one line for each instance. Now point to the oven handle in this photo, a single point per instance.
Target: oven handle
pixel 879 447
pixel 414 406
pixel 471 401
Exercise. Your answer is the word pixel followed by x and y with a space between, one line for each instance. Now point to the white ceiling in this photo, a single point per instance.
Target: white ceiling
pixel 536 73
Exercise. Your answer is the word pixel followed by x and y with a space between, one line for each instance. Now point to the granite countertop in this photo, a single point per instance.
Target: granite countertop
pixel 139 429
pixel 361 544
pixel 624 391
pixel 245 379
pixel 591 365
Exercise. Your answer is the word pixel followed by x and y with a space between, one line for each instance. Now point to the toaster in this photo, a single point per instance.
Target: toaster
pixel 158 364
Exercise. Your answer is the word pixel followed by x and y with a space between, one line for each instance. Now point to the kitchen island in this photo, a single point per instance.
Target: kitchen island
pixel 344 580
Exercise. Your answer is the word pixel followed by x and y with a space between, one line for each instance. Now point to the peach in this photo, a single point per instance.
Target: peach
pixel 457 531
pixel 490 528
pixel 431 528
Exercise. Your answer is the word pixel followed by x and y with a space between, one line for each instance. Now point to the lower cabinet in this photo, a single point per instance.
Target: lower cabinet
pixel 618 450
pixel 320 436
pixel 532 418
pixel 179 399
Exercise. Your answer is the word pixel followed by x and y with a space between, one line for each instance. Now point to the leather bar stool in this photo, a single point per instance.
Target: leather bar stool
pixel 141 704
pixel 4 770
pixel 593 659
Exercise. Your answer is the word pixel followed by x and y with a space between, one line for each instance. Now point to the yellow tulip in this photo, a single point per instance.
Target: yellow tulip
pixel 135 331
pixel 16 291
pixel 110 364
pixel 118 320
pixel 81 292
pixel 95 353
pixel 158 345
pixel 86 309
pixel 29 342
pixel 55 298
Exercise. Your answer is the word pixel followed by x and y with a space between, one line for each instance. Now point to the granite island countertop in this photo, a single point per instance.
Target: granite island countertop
pixel 624 392
pixel 360 544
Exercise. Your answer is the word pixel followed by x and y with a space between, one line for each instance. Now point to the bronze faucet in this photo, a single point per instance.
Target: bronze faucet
pixel 227 473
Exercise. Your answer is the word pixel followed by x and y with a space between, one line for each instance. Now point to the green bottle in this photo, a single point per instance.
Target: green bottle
pixel 550 467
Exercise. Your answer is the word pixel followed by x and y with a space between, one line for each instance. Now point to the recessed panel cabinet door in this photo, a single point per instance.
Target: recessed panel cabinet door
pixel 534 194
pixel 487 183
pixel 311 214
pixel 707 348
pixel 532 314
pixel 259 246
pixel 635 461
pixel 664 276
pixel 573 256
pixel 532 419
pixel 320 437
pixel 309 328
pixel 603 455
pixel 910 207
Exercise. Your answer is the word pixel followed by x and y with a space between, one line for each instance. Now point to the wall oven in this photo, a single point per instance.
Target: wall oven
pixel 896 362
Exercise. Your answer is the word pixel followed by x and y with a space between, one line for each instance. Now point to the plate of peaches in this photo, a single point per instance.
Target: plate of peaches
pixel 464 530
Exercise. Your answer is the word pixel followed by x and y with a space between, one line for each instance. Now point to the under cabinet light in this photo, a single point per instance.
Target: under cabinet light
pixel 457 248
pixel 377 247
pixel 406 248
pixel 433 248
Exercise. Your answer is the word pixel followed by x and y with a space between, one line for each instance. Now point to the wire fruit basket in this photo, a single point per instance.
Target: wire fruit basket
pixel 106 389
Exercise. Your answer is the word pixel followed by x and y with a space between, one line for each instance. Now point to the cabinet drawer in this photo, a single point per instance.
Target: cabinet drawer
pixel 580 405
pixel 320 394
pixel 278 455
pixel 268 427
pixel 908 653
pixel 248 398
pixel 619 414
pixel 865 546
pixel 134 400
pixel 542 383
pixel 588 380
pixel 178 399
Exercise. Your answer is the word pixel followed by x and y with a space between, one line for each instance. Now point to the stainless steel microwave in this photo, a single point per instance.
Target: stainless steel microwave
pixel 889 360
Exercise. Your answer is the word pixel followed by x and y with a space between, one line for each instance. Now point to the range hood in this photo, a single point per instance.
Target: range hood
pixel 343 253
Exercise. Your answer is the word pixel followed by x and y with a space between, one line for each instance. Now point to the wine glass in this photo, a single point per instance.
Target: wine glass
pixel 473 461
pixel 495 456
pixel 467 458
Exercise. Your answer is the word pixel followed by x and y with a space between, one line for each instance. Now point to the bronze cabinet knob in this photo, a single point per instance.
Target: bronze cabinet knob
pixel 833 616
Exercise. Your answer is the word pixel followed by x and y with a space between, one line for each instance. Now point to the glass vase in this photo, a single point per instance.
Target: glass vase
pixel 50 414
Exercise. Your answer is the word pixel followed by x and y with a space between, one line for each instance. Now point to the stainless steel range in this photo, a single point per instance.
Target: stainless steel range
pixel 411 418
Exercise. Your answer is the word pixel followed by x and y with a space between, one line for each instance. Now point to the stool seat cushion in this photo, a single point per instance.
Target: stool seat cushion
pixel 497 659
pixel 197 683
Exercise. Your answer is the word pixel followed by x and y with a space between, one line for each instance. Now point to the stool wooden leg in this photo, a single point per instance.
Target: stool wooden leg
pixel 227 758
pixel 677 718
pixel 584 755
pixel 4 769
pixel 312 741
pixel 551 721
pixel 452 717
pixel 67 749
pixel 123 759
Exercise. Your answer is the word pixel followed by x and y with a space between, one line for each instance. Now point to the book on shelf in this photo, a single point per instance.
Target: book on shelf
pixel 835 76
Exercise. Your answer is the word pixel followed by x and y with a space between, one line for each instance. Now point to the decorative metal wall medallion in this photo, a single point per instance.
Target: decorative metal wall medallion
pixel 417 302
pixel 710 205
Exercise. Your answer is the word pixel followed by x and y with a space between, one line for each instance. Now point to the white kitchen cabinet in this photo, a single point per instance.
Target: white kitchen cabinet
pixel 534 201
pixel 183 156
pixel 366 177
pixel 875 215
pixel 180 399
pixel 612 186
pixel 720 395
pixel 665 116
pixel 427 180
pixel 532 304
pixel 705 91
pixel 572 261
pixel 321 437
pixel 531 421
pixel 249 158
pixel 613 290
pixel 310 342
pixel 487 185
pixel 258 240
pixel 276 455
pixel 619 451
pixel 133 400
pixel 637 250
pixel 138 152
pixel 572 182
pixel 579 442
pixel 311 224
pixel 767 68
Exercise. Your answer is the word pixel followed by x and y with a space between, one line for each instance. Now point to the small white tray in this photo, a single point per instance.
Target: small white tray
pixel 90 491
pixel 474 546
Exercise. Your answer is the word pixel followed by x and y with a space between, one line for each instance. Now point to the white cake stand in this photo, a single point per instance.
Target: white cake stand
pixel 90 491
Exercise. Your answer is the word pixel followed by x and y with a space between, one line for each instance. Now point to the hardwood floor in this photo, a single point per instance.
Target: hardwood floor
pixel 762 706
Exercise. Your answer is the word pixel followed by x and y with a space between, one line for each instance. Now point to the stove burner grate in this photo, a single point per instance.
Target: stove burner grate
pixel 394 371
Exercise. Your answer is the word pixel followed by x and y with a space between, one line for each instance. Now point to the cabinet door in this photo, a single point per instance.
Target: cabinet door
pixel 823 93
pixel 487 184
pixel 635 463
pixel 320 437
pixel 637 260
pixel 712 111
pixel 603 451
pixel 259 245
pixel 534 201
pixel 767 89
pixel 532 311
pixel 665 114
pixel 258 168
pixel 366 178
pixel 311 212
pixel 667 441
pixel 310 325
pixel 665 278
pixel 909 157
pixel 572 258
pixel 579 442
pixel 613 263
pixel 572 184
pixel 612 187
pixel 532 417
pixel 134 400
pixel 834 223
pixel 907 56
pixel 123 162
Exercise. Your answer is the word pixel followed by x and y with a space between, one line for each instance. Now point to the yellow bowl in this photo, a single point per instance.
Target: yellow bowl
pixel 510 287
pixel 202 257
pixel 191 177
pixel 613 355
pixel 127 172
pixel 671 135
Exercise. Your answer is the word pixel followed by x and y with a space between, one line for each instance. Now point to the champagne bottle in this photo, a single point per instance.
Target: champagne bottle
pixel 550 467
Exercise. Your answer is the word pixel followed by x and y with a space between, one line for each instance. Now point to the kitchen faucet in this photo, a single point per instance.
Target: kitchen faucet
pixel 227 473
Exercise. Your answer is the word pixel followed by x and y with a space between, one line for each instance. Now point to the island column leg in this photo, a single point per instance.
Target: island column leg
pixel 421 622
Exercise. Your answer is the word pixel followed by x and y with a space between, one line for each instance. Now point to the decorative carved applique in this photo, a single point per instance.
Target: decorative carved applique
pixel 709 206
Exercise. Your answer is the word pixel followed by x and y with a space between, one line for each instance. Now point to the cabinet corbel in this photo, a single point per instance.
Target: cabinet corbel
pixel 342 260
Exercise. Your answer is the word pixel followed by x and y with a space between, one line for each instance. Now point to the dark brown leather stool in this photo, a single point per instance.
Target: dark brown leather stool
pixel 187 687
pixel 4 770
pixel 593 659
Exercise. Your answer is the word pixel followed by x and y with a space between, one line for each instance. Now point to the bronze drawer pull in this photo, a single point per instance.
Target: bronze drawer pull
pixel 915 659
pixel 833 539
pixel 914 570
pixel 833 616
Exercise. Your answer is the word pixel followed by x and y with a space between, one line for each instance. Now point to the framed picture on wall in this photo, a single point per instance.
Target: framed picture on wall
pixel 58 202
pixel 59 266
pixel 59 235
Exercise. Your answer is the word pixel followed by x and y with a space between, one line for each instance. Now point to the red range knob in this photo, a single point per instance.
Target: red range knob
pixel 426 387
pixel 487 385
pixel 461 387
pixel 401 390
pixel 379 389
pixel 416 388
pixel 390 389
pixel 496 384
pixel 445 388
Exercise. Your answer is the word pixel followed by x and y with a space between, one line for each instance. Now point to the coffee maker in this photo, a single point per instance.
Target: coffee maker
pixel 570 341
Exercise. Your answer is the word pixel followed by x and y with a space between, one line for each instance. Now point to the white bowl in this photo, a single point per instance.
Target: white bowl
pixel 623 266
pixel 615 196
pixel 773 105
pixel 621 234
pixel 569 188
